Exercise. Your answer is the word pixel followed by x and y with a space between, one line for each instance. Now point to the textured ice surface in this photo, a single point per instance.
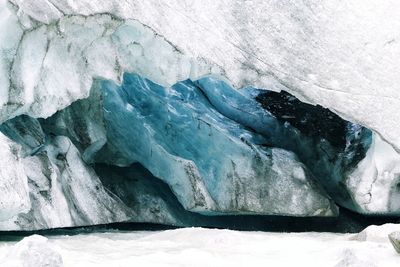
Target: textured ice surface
pixel 395 240
pixel 210 162
pixel 339 55
pixel 58 68
pixel 61 190
pixel 211 247
pixel 143 122
pixel 329 146
pixel 57 189
pixel 64 191
pixel 32 251
pixel 149 199
pixel 14 195
pixel 375 233
pixel 242 158
pixel 83 123
pixel 375 183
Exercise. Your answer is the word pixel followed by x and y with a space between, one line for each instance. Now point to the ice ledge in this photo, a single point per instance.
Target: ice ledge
pixel 340 55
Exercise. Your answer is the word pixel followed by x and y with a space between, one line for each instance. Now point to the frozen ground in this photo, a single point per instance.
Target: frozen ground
pixel 210 247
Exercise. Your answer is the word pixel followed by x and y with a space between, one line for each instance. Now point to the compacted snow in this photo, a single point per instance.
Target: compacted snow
pixel 211 247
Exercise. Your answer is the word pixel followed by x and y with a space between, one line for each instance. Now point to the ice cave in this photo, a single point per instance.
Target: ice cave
pixel 199 133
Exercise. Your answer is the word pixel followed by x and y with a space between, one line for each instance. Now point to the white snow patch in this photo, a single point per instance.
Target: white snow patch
pixel 211 247
pixel 32 251
pixel 377 233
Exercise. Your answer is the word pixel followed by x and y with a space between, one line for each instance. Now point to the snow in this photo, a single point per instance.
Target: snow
pixel 375 233
pixel 32 251
pixel 212 247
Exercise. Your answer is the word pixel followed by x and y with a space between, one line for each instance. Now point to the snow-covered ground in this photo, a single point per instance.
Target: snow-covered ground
pixel 207 247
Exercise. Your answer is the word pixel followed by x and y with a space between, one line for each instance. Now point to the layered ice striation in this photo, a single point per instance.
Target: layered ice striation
pixel 356 167
pixel 333 150
pixel 13 181
pixel 61 189
pixel 212 163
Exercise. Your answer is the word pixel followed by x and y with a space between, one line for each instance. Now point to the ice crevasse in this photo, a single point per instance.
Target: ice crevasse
pixel 144 92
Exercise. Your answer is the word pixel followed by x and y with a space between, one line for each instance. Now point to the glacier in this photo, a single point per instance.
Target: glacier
pixel 141 152
pixel 324 53
pixel 196 109
pixel 219 168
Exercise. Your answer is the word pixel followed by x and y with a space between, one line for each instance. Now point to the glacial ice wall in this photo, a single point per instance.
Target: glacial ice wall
pixel 58 189
pixel 218 151
pixel 339 55
pixel 211 163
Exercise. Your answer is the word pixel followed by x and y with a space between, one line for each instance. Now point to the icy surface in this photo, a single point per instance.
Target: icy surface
pixel 242 158
pixel 50 186
pixel 329 146
pixel 14 194
pixel 51 66
pixel 32 251
pixel 238 162
pixel 65 191
pixel 339 55
pixel 375 233
pixel 395 240
pixel 210 247
pixel 375 183
pixel 211 163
